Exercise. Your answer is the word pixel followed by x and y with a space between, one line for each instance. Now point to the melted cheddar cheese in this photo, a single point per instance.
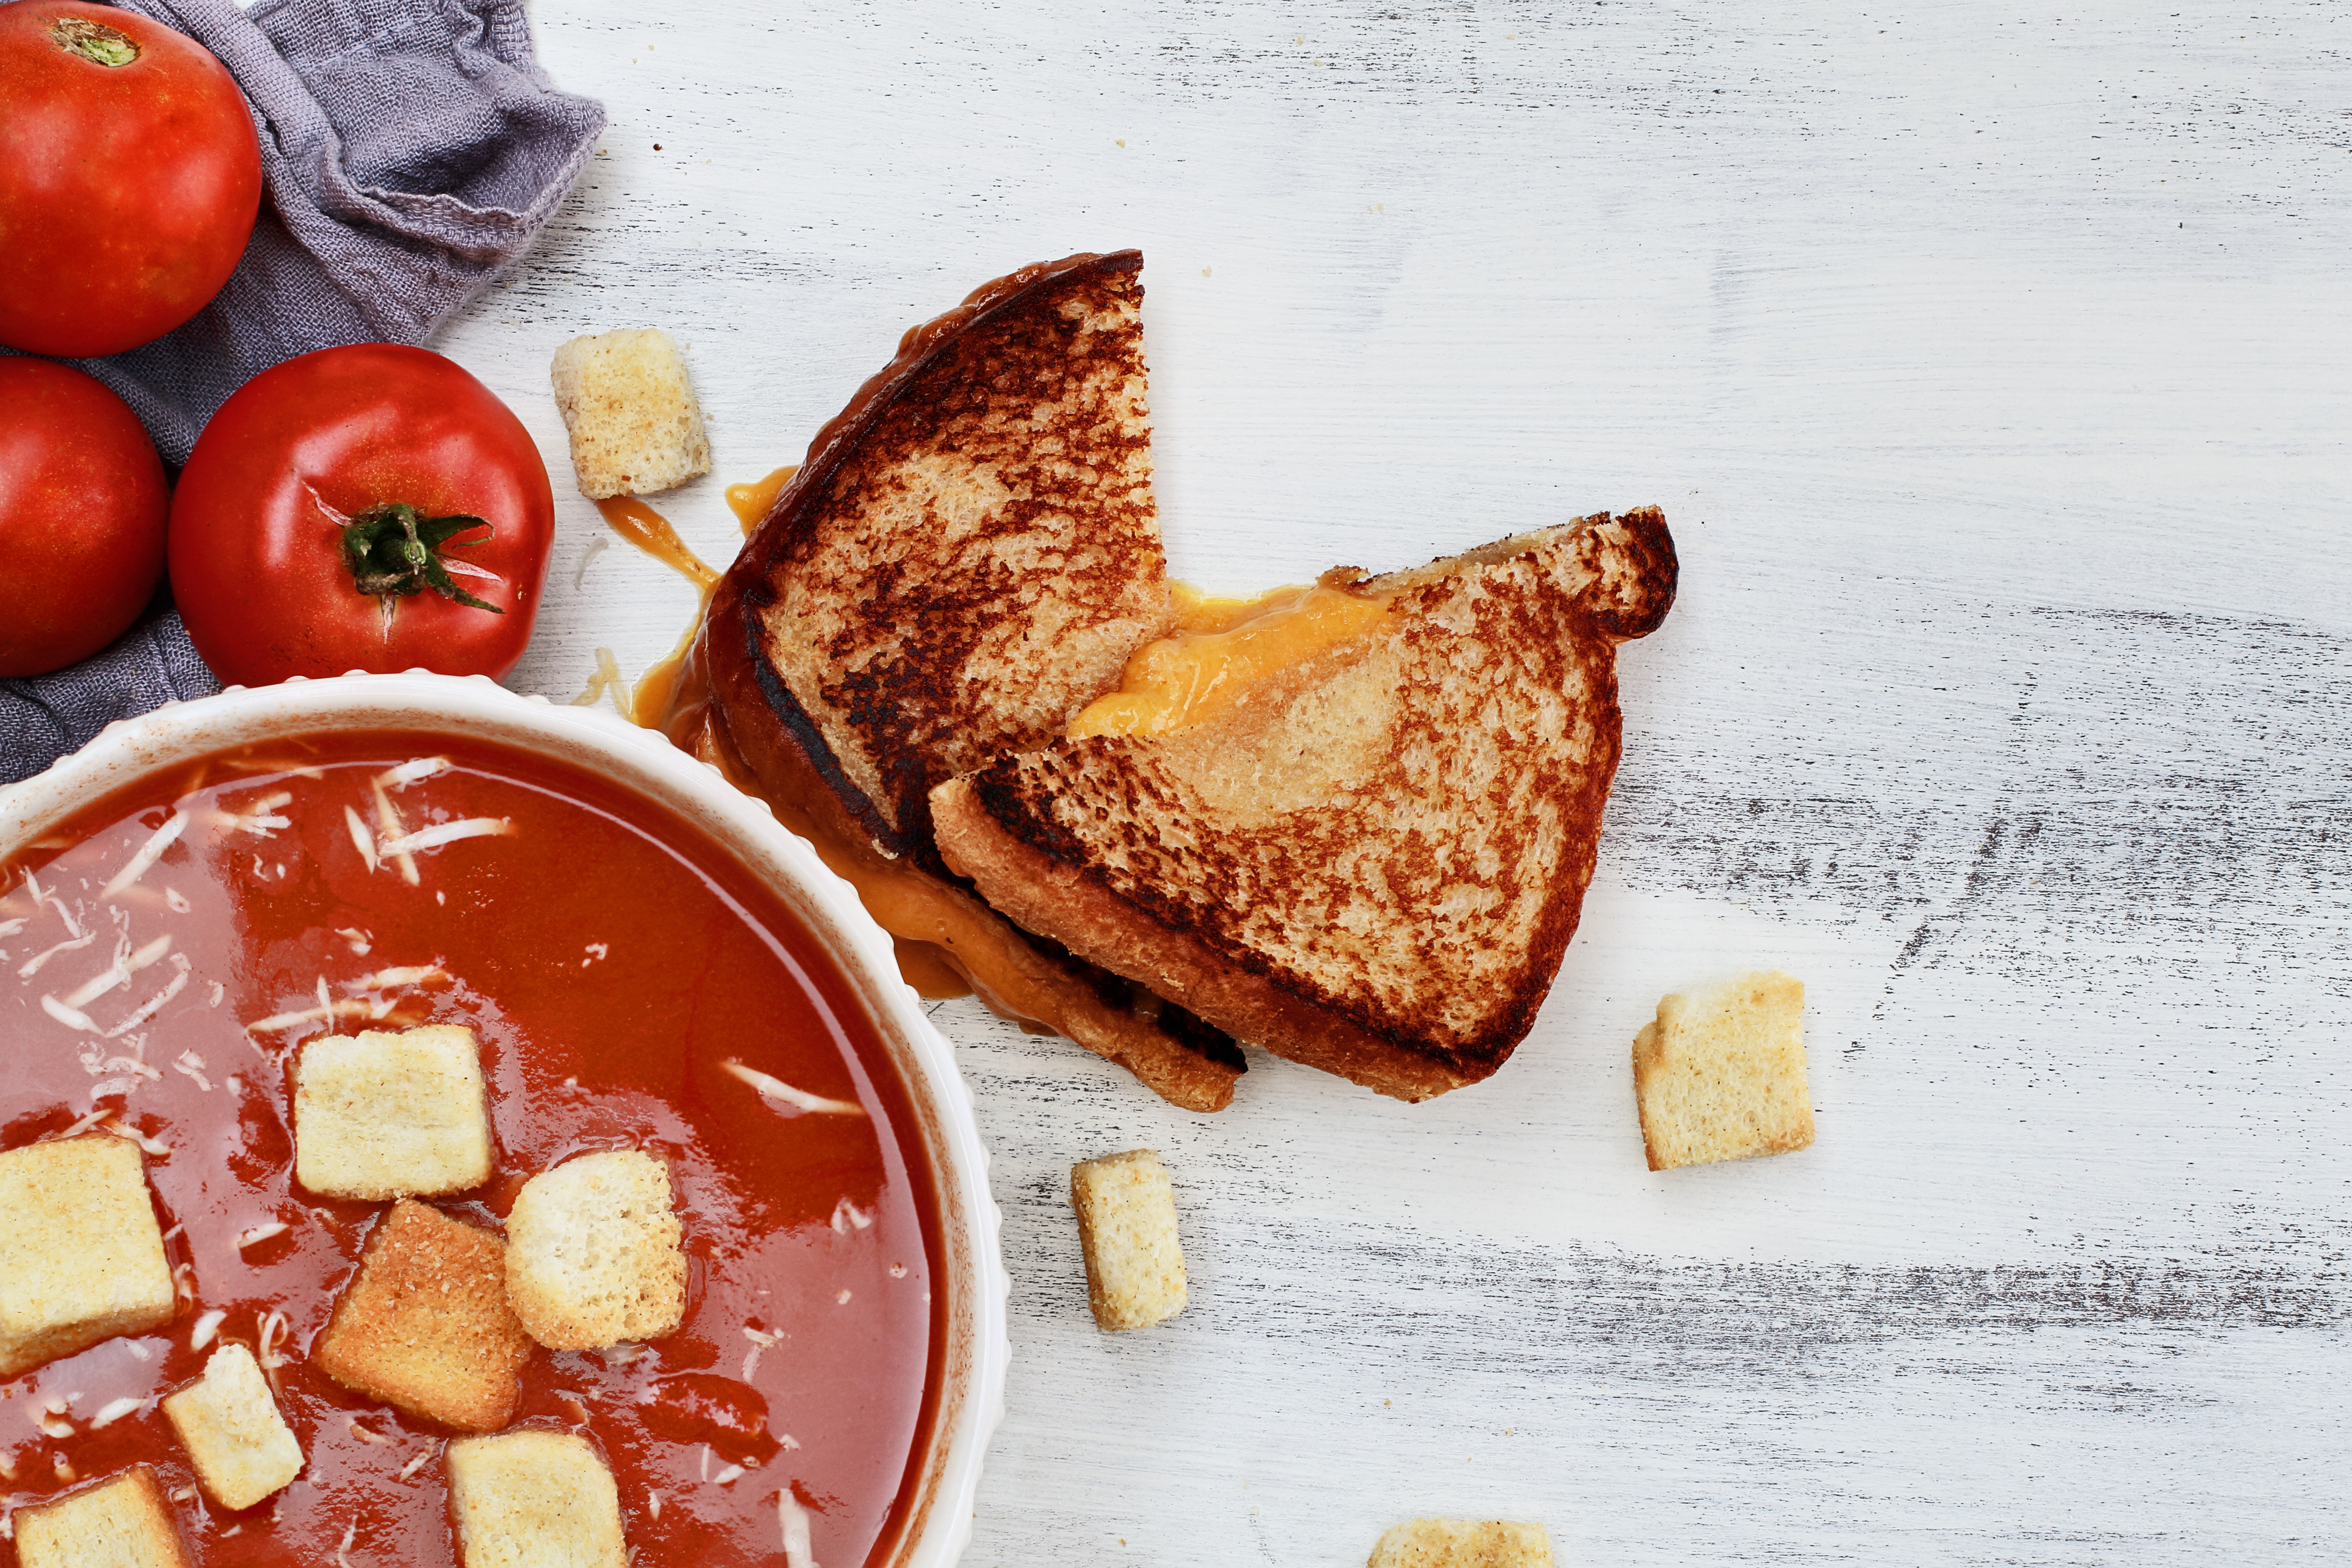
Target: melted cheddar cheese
pixel 1221 649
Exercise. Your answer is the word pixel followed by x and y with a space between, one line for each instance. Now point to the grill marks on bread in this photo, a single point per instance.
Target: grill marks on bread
pixel 978 563
pixel 1374 860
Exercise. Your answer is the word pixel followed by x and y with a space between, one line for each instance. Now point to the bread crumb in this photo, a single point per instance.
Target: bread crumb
pixel 81 1257
pixel 630 407
pixel 426 1325
pixel 1463 1543
pixel 1127 1225
pixel 388 1114
pixel 593 1253
pixel 1720 1073
pixel 121 1522
pixel 242 1447
pixel 535 1499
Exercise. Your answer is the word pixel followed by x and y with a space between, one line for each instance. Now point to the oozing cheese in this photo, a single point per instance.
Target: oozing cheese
pixel 1222 648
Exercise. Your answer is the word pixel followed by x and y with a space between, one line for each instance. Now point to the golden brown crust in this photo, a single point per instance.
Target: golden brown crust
pixel 1373 862
pixel 970 551
pixel 967 558
pixel 426 1325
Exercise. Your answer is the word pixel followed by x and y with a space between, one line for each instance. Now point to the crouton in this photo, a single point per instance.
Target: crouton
pixel 387 1115
pixel 534 1499
pixel 121 1522
pixel 81 1257
pixel 424 1325
pixel 1126 1227
pixel 635 426
pixel 593 1253
pixel 1463 1543
pixel 242 1447
pixel 1720 1074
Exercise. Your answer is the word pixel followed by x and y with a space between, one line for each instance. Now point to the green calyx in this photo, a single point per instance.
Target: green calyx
pixel 393 552
pixel 93 41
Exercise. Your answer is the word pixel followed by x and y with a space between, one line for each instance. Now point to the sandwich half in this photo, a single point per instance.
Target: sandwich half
pixel 969 557
pixel 1355 827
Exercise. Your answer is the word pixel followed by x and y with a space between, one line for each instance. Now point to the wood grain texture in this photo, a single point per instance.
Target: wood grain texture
pixel 1991 369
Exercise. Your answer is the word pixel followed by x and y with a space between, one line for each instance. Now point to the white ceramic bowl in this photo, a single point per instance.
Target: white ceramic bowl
pixel 971 1400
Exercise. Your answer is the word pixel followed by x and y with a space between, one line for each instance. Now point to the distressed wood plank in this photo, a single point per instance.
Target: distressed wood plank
pixel 1989 368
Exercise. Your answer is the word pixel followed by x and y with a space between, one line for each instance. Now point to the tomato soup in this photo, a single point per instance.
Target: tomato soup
pixel 631 985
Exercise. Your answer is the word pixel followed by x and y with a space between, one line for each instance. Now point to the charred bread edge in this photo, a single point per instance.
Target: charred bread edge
pixel 790 513
pixel 1173 1067
pixel 1038 892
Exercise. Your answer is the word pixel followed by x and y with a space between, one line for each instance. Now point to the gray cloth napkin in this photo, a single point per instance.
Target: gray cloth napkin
pixel 411 148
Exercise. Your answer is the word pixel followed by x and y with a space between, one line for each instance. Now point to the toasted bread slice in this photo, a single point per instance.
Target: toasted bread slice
pixel 966 559
pixel 1370 860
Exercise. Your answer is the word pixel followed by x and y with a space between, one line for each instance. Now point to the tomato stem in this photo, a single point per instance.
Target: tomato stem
pixel 93 41
pixel 393 552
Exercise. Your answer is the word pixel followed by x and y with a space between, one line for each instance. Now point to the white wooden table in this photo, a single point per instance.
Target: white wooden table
pixel 1991 366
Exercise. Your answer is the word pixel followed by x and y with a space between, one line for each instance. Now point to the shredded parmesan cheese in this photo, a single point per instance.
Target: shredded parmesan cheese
pixel 253 1235
pixel 442 833
pixel 32 965
pixel 156 1003
pixel 162 838
pixel 114 1410
pixel 80 1127
pixel 193 1066
pixel 67 1015
pixel 795 1521
pixel 732 1472
pixel 363 1434
pixel 607 679
pixel 386 979
pixel 53 1424
pixel 176 902
pixel 388 821
pixel 596 543
pixel 777 1089
pixel 415 1465
pixel 206 1326
pixel 353 934
pixel 849 1216
pixel 410 772
pixel 361 839
pixel 155 1148
pixel 10 928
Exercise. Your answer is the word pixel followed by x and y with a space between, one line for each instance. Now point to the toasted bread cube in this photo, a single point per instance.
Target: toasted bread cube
pixel 1720 1074
pixel 426 1325
pixel 121 1522
pixel 534 1499
pixel 636 426
pixel 81 1257
pixel 1463 1543
pixel 593 1253
pixel 391 1114
pixel 1126 1227
pixel 242 1447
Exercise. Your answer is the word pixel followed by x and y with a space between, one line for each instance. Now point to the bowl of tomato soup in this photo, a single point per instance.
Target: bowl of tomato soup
pixel 647 961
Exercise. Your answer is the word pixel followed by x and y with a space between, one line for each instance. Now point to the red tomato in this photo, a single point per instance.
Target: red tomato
pixel 130 177
pixel 81 517
pixel 365 508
